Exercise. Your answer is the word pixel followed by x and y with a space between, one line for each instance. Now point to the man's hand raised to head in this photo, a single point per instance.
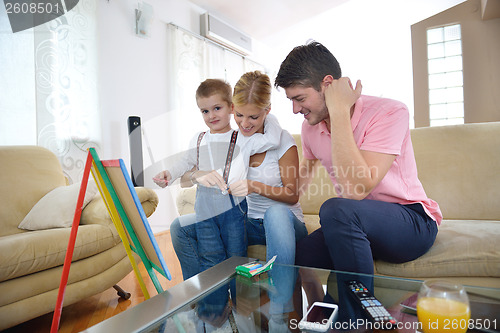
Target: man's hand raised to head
pixel 340 96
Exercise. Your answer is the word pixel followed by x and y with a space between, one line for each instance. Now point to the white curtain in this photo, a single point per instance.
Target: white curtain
pixel 17 88
pixel 192 60
pixel 187 68
pixel 60 107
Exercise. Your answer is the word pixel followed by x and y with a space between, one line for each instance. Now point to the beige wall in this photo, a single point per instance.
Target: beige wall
pixel 481 62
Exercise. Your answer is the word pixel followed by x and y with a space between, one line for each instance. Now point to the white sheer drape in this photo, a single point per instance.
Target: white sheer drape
pixel 192 60
pixel 66 86
pixel 59 103
pixel 17 88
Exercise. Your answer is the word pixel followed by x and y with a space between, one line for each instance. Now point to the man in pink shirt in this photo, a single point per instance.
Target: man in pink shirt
pixel 364 143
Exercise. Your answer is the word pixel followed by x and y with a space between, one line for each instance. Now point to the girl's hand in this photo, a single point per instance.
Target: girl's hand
pixel 209 179
pixel 162 179
pixel 240 188
pixel 340 96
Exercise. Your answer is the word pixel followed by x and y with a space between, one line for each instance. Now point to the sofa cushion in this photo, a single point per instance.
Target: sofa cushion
pixel 34 251
pixel 27 173
pixel 57 208
pixel 27 286
pixel 312 222
pixel 458 167
pixel 462 248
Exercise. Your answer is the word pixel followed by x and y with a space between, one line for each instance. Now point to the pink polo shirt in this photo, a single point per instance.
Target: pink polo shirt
pixel 380 125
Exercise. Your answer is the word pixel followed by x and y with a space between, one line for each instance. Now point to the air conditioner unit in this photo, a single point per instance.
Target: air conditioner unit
pixel 222 33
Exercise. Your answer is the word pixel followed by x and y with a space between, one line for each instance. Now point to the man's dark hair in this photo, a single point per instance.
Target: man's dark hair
pixel 307 65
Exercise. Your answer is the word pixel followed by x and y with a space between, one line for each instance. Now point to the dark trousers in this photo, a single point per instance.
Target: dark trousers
pixel 354 232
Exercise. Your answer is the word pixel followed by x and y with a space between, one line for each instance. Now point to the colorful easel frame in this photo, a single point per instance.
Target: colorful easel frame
pixel 128 216
pixel 118 192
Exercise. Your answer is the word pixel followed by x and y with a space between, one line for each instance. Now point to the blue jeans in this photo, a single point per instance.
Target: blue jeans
pixel 184 240
pixel 353 233
pixel 222 236
pixel 279 230
pixel 282 226
pixel 201 245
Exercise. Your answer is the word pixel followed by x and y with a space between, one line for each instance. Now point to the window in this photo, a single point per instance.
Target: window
pixel 48 91
pixel 446 93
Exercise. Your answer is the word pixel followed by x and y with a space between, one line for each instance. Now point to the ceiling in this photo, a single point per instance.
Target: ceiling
pixel 261 18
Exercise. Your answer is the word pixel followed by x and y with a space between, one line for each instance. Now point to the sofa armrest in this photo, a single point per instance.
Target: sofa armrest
pixel 148 199
pixel 97 213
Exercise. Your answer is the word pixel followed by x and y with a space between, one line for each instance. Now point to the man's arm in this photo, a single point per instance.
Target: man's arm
pixel 358 171
pixel 307 168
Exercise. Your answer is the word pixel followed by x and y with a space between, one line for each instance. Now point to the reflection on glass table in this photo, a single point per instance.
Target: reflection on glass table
pixel 218 300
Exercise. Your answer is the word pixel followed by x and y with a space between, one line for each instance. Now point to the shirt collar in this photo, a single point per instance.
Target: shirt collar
pixel 323 128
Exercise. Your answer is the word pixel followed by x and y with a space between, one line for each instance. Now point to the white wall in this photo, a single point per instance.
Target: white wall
pixel 133 80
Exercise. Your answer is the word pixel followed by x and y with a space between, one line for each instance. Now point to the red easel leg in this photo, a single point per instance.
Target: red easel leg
pixel 71 246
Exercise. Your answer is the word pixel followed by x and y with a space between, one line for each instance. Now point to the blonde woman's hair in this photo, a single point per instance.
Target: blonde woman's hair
pixel 253 88
pixel 211 87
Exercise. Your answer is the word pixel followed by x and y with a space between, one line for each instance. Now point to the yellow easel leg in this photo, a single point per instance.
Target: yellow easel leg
pixel 119 227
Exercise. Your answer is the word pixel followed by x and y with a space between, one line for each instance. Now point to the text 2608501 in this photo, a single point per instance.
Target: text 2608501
pixel 454 324
pixel 33 8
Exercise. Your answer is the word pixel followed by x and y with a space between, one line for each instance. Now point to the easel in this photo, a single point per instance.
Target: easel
pixel 127 214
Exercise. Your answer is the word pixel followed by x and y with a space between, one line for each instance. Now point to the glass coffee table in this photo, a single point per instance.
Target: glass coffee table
pixel 218 300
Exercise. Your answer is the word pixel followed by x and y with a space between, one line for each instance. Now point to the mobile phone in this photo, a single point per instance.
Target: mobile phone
pixel 320 317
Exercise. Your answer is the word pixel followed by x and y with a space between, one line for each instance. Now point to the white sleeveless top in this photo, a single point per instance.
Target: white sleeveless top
pixel 269 173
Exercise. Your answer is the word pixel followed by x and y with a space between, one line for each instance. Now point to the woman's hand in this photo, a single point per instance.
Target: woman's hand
pixel 162 179
pixel 340 96
pixel 241 188
pixel 209 179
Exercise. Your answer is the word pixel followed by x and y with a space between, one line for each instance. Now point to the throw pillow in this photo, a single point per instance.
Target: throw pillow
pixel 57 208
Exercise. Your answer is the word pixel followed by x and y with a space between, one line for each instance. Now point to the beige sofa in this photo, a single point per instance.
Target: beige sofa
pixel 459 167
pixel 31 261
